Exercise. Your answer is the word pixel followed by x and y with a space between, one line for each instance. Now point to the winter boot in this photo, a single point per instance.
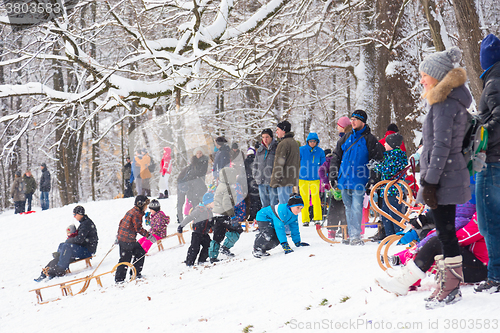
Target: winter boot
pixel 380 233
pixel 258 253
pixel 402 279
pixel 488 286
pixel 225 250
pixel 305 224
pixel 449 287
pixel 439 260
pixel 41 277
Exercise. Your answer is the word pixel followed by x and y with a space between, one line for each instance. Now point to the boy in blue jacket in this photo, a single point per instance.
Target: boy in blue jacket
pixel 311 158
pixel 272 221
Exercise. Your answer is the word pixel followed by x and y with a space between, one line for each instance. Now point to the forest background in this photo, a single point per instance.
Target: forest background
pixel 88 86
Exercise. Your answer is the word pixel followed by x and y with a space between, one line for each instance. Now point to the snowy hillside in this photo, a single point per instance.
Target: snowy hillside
pixel 322 288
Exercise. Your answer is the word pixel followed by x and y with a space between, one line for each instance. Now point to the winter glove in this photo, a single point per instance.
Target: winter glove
pixel 152 238
pixel 368 189
pixel 337 195
pixel 327 187
pixel 299 244
pixel 408 237
pixel 286 247
pixel 116 240
pixel 429 194
pixel 179 229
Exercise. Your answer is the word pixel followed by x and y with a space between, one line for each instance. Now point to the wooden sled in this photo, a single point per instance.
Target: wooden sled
pixel 66 287
pixel 179 236
pixel 88 264
pixel 410 202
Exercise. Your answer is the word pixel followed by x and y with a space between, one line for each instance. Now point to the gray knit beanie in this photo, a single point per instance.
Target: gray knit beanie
pixel 438 64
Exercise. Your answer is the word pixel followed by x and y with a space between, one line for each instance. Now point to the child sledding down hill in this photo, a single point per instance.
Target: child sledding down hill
pixel 225 223
pixel 272 221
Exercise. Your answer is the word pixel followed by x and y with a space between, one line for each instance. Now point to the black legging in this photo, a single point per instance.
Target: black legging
pixel 444 217
pixel 474 270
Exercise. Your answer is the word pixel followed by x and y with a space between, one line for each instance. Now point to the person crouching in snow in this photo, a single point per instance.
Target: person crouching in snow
pixel 272 221
pixel 224 220
pixel 202 222
pixel 158 221
pixel 130 226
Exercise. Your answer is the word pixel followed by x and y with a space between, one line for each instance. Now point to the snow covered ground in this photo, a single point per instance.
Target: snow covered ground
pixel 321 288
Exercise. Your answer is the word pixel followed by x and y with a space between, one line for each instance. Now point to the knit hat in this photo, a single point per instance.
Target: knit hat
pixel 221 140
pixel 141 201
pixel 344 121
pixel 208 198
pixel 394 140
pixel 393 128
pixel 79 210
pixel 234 145
pixel 490 51
pixel 361 115
pixel 18 173
pixel 154 205
pixel 250 151
pixel 44 165
pixel 267 131
pixel 285 126
pixel 295 200
pixel 438 64
pixel 328 151
pixel 71 229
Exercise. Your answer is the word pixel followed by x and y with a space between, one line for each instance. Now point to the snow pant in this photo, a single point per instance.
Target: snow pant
pixel 18 207
pixel 44 200
pixel 444 216
pixel 70 252
pixel 353 202
pixel 336 213
pixel 181 199
pixel 198 240
pixel 28 200
pixel 221 225
pixel 390 227
pixel 474 270
pixel 163 184
pixel 146 188
pixel 488 211
pixel 127 251
pixel 128 193
pixel 266 239
pixel 268 195
pixel 310 189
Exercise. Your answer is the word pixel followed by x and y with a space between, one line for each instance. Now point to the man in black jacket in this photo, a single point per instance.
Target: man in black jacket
pixel 44 187
pixel 83 245
pixel 487 186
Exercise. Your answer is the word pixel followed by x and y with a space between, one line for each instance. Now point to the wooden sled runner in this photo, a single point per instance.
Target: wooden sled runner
pixel 66 286
pixel 410 202
pixel 179 236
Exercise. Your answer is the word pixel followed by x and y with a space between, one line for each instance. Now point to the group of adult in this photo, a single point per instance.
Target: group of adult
pixel 24 186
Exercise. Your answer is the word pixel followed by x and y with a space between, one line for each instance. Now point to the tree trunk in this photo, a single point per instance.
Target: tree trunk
pixel 430 12
pixel 470 40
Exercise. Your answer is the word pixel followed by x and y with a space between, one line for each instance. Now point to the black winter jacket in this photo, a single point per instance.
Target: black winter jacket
pixel 87 235
pixel 221 160
pixel 489 111
pixel 45 181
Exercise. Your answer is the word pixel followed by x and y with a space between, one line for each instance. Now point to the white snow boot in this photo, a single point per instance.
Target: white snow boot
pixel 402 279
pixel 448 291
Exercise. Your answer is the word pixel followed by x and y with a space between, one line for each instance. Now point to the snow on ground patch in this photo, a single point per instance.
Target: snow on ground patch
pixel 321 288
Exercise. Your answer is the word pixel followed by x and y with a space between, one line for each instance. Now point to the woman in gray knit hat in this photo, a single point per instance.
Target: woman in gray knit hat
pixel 444 175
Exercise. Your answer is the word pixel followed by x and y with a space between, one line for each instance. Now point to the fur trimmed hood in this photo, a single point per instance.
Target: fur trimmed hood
pixel 454 79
